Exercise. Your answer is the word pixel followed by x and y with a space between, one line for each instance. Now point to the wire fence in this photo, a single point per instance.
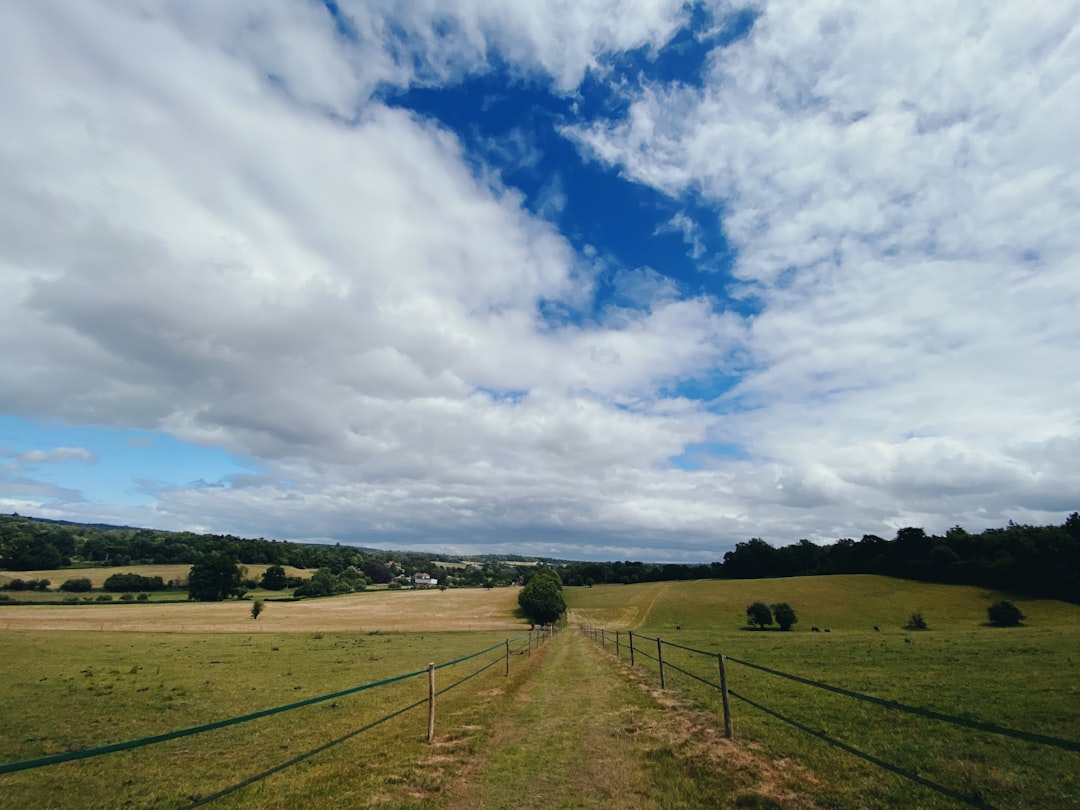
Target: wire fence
pixel 626 644
pixel 525 643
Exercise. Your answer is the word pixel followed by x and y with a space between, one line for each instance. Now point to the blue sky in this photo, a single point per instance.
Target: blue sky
pixel 605 279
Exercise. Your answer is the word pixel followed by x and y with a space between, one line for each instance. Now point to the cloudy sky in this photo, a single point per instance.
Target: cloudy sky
pixel 593 279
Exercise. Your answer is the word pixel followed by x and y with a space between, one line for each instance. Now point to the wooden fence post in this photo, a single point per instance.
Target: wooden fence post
pixel 530 642
pixel 431 702
pixel 728 731
pixel 631 634
pixel 660 659
pixel 508 658
pixel 618 654
pixel 603 639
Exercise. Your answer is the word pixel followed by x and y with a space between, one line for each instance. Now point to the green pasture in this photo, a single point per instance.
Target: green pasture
pixel 1027 678
pixel 62 691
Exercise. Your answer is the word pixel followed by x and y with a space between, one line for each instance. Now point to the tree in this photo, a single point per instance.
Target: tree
pixel 274 578
pixel 541 600
pixel 256 608
pixel 784 615
pixel 759 614
pixel 78 585
pixel 213 578
pixel 377 572
pixel 1004 614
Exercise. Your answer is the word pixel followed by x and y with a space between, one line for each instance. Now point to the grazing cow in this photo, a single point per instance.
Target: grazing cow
pixel 827 630
pixel 907 640
pixel 815 629
pixel 678 627
pixel 877 629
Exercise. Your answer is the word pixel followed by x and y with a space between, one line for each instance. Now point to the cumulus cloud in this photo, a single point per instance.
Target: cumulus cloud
pixel 899 190
pixel 205 236
pixel 212 225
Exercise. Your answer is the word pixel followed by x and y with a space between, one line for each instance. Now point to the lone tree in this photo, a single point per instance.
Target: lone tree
pixel 1004 614
pixel 274 578
pixel 759 614
pixel 213 578
pixel 257 607
pixel 541 599
pixel 784 615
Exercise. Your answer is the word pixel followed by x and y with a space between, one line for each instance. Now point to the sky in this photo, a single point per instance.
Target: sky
pixel 602 279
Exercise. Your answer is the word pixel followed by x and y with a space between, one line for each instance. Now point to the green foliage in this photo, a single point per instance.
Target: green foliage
pixel 77 585
pixel 274 578
pixel 541 600
pixel 27 585
pixel 257 608
pixel 758 613
pixel 1004 614
pixel 127 597
pixel 377 572
pixel 213 578
pixel 916 621
pixel 784 615
pixel 130 583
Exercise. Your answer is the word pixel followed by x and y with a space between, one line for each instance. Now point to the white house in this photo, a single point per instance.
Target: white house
pixel 424 581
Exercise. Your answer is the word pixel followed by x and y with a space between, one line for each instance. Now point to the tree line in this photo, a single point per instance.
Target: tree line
pixel 1035 560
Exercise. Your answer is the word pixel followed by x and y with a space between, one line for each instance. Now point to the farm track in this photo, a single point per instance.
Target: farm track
pixel 586 732
pixel 562 742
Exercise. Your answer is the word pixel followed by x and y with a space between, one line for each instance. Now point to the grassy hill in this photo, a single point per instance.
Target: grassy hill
pixel 1026 678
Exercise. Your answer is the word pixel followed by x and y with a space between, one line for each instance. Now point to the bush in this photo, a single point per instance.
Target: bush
pixel 127 597
pixel 784 615
pixel 143 597
pixel 104 597
pixel 916 622
pixel 759 614
pixel 1004 614
pixel 129 583
pixel 78 585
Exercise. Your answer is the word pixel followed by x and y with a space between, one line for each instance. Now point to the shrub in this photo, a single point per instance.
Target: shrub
pixel 143 597
pixel 759 614
pixel 78 585
pixel 127 597
pixel 1004 614
pixel 133 582
pixel 784 615
pixel 104 597
pixel 916 622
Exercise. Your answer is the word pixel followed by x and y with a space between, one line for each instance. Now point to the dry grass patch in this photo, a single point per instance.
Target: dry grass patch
pixel 386 611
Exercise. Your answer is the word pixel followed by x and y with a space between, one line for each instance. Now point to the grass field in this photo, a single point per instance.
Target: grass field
pixel 1026 678
pixel 389 611
pixel 570 727
pixel 97 576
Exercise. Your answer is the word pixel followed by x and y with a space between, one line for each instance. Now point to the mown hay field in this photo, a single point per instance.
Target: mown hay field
pixel 387 611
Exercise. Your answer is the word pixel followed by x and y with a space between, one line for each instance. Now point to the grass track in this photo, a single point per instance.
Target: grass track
pixel 585 733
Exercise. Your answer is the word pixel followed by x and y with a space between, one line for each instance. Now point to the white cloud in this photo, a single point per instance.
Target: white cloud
pixel 209 225
pixel 901 190
pixel 188 248
pixel 56 455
